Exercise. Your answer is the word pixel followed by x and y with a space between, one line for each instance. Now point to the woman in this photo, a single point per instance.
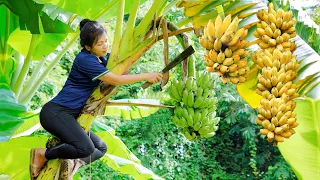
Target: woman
pixel 59 115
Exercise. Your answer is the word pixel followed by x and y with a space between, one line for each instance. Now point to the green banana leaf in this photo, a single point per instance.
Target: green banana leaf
pixel 125 167
pixel 92 8
pixel 15 161
pixel 248 88
pixel 15 154
pixel 302 150
pixel 45 43
pixel 132 112
pixel 7 63
pixel 30 16
pixel 31 123
pixel 200 17
pixel 10 112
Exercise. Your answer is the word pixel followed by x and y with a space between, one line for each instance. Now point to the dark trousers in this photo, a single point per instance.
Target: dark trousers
pixel 61 122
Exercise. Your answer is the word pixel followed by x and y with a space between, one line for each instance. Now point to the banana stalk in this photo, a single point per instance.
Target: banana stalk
pixel 126 41
pixel 25 68
pixel 165 52
pixel 188 65
pixel 114 55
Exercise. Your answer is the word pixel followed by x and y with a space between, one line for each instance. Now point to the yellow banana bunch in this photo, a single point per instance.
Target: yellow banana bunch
pixel 278 70
pixel 226 53
pixel 271 28
pixel 194 113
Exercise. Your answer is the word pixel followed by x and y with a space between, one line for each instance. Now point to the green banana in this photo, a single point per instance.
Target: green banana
pixel 191 112
pixel 185 97
pixel 190 99
pixel 180 88
pixel 204 113
pixel 216 120
pixel 211 109
pixel 190 121
pixel 198 102
pixel 171 94
pixel 187 135
pixel 212 102
pixel 206 93
pixel 197 116
pixel 204 130
pixel 200 80
pixel 205 121
pixel 193 135
pixel 185 113
pixel 176 121
pixel 197 126
pixel 205 103
pixel 189 84
pixel 199 92
pixel 183 122
pixel 214 128
pixel 175 92
pixel 205 82
pixel 208 135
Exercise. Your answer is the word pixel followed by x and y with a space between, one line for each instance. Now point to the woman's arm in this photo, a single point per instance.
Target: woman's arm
pixel 116 80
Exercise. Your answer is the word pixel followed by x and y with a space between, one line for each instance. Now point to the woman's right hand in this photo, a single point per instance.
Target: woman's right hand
pixel 153 77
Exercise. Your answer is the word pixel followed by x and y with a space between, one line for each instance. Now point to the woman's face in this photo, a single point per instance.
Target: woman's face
pixel 100 47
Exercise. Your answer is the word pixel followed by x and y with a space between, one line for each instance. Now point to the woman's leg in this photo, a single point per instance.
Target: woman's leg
pixel 76 143
pixel 99 151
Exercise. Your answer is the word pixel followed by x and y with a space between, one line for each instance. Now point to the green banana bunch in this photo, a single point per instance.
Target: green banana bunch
pixel 195 112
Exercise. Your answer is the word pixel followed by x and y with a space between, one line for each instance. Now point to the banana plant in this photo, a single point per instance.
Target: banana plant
pixel 304 160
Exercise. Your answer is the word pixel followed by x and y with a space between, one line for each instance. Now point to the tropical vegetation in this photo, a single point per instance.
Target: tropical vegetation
pixel 37 34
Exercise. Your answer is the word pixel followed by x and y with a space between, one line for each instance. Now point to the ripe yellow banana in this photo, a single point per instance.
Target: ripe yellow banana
pixel 213 55
pixel 236 37
pixel 211 28
pixel 218 21
pixel 222 28
pixel 233 25
pixel 228 52
pixel 227 37
pixel 217 44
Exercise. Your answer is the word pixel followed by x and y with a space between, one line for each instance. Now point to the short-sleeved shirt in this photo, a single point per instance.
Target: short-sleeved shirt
pixel 82 79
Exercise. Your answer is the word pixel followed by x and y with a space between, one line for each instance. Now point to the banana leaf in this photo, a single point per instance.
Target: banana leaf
pixel 30 16
pixel 130 112
pixel 302 150
pixel 45 43
pixel 118 157
pixel 126 167
pixel 248 88
pixel 10 112
pixel 15 161
pixel 92 8
pixel 201 15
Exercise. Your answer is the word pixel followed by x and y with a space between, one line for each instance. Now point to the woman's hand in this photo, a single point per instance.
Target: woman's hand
pixel 153 77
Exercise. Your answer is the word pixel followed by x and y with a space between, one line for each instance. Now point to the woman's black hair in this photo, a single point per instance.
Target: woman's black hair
pixel 90 31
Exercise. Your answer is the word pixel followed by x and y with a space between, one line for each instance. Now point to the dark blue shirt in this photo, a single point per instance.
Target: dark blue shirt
pixel 83 78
